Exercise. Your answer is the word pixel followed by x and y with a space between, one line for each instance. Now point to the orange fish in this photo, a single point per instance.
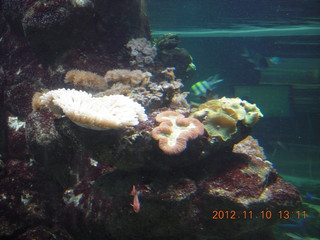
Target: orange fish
pixel 136 203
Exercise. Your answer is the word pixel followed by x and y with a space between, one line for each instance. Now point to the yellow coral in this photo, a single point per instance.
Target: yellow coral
pixel 220 116
pixel 36 102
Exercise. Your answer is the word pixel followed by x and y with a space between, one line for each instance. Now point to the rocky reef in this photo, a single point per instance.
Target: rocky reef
pixel 98 140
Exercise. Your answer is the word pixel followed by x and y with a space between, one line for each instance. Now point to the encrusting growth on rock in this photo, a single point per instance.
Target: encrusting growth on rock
pixel 134 77
pixel 90 80
pixel 175 130
pixel 85 79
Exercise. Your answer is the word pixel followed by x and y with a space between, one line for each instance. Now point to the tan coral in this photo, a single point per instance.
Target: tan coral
pixel 179 100
pixel 175 130
pixel 170 72
pixel 220 116
pixel 134 78
pixel 85 79
pixel 36 102
pixel 117 88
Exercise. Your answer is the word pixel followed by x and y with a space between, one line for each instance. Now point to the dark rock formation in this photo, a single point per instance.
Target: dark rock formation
pixel 228 195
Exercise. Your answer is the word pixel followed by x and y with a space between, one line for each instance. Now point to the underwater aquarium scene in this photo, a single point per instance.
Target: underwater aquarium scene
pixel 159 119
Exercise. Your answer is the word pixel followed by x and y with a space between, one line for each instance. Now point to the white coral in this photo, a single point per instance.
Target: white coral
pixel 100 113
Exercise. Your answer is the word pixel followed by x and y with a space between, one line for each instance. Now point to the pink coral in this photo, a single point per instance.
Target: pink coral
pixel 175 130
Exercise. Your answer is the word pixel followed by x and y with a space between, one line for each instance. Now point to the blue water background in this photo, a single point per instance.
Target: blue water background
pixel 216 32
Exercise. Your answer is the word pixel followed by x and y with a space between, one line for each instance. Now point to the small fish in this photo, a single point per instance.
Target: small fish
pixel 259 61
pixel 203 88
pixel 311 197
pixel 297 225
pixel 274 60
pixel 136 202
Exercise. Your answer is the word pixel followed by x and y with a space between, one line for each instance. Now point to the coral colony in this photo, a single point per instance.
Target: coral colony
pixel 141 51
pixel 175 130
pixel 100 113
pixel 103 135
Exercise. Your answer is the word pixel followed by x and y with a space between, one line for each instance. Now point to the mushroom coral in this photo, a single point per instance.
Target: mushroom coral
pixel 175 130
pixel 99 113
pixel 220 116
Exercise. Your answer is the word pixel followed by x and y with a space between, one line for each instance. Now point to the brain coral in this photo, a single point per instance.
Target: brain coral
pixel 100 113
pixel 175 130
pixel 220 116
